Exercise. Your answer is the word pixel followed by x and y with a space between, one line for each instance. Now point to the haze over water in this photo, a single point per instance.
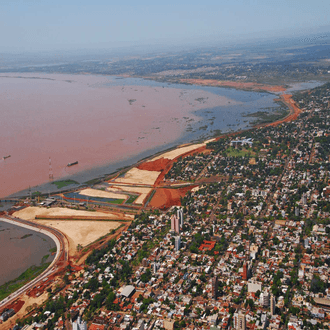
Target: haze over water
pixel 101 121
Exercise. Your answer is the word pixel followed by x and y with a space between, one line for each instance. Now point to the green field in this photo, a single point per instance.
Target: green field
pixel 117 201
pixel 64 183
pixel 131 199
pixel 239 152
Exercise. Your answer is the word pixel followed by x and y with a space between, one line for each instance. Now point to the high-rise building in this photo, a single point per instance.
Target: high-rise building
pixel 264 299
pixel 304 199
pixel 214 287
pixel 155 267
pixel 177 243
pixel 272 305
pixel 175 226
pixel 79 324
pixel 180 216
pixel 245 272
pixel 239 321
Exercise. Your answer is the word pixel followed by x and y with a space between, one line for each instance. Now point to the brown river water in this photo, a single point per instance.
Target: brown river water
pixel 20 249
pixel 80 118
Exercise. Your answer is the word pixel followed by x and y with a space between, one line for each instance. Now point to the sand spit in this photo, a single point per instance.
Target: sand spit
pixel 179 151
pixel 136 176
pixel 103 194
pixel 30 213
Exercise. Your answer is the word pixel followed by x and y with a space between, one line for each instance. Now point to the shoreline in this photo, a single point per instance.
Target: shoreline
pixel 126 164
pixel 14 295
pixel 189 118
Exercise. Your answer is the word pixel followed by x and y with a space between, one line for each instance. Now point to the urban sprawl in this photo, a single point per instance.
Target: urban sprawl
pixel 248 248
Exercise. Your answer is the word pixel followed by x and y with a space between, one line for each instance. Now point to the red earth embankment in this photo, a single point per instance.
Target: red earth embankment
pixel 164 198
pixel 16 305
pixel 294 111
pixel 156 165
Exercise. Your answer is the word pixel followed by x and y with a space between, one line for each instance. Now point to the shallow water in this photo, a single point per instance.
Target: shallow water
pixel 20 249
pixel 104 123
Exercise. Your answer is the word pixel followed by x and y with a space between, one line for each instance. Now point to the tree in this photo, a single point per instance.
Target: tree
pixel 317 285
pixel 146 276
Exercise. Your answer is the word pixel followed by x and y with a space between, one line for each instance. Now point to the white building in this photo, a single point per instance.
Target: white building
pixel 264 299
pixel 79 324
pixel 177 243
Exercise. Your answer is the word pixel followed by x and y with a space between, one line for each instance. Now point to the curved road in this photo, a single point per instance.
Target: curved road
pixel 61 254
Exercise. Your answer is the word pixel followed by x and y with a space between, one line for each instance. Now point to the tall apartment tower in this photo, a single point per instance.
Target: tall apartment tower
pixel 245 271
pixel 214 287
pixel 304 199
pixel 175 226
pixel 179 214
pixel 264 299
pixel 272 305
pixel 177 243
pixel 241 322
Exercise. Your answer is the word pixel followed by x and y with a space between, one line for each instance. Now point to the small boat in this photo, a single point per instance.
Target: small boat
pixel 5 157
pixel 71 164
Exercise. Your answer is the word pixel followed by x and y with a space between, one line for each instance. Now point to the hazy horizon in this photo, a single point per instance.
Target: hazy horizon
pixel 65 26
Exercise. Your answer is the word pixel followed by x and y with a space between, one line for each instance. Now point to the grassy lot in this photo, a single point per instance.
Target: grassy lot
pixel 117 201
pixel 64 183
pixel 131 199
pixel 239 152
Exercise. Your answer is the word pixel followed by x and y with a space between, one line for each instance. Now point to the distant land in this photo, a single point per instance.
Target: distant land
pixel 274 61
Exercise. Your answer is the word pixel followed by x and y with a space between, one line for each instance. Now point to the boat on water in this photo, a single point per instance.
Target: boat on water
pixel 5 157
pixel 71 164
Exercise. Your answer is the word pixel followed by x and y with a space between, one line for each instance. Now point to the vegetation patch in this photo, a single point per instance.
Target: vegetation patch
pixel 131 199
pixel 233 152
pixel 11 286
pixel 116 201
pixel 64 183
pixel 273 114
pixel 26 236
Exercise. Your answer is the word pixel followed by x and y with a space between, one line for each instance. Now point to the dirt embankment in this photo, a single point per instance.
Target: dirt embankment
pixel 156 165
pixel 165 198
pixel 234 84
pixel 161 177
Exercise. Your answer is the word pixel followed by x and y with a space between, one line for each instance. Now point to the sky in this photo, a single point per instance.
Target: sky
pixel 44 25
